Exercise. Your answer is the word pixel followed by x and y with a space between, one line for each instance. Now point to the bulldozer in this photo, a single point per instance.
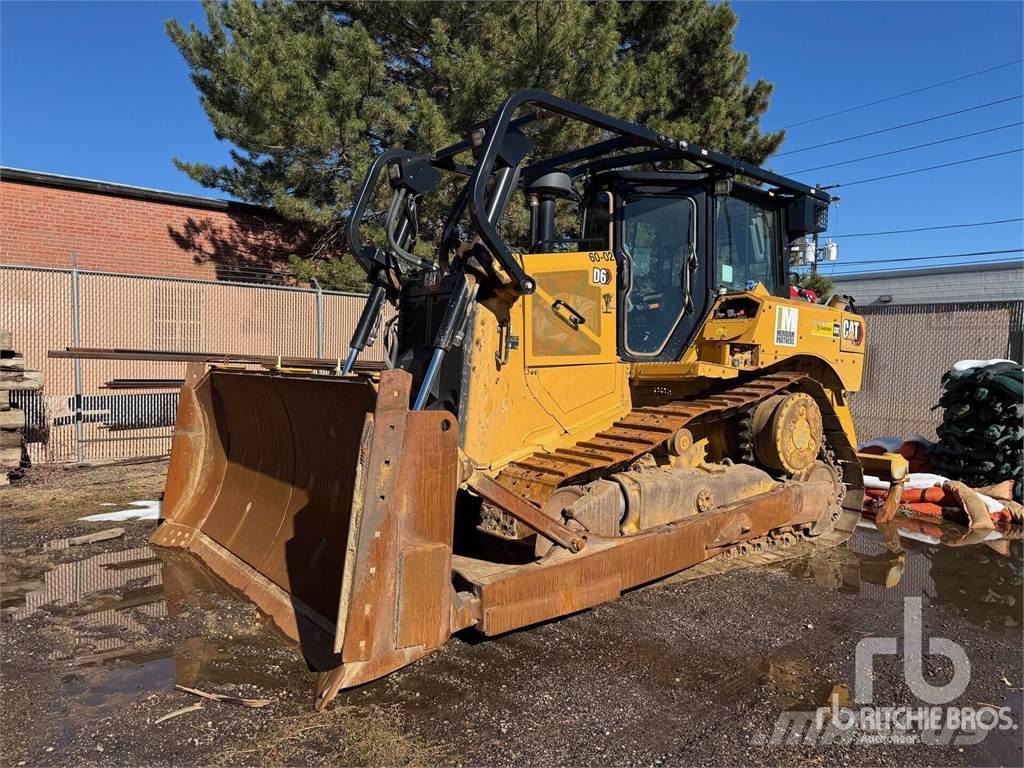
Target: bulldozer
pixel 567 411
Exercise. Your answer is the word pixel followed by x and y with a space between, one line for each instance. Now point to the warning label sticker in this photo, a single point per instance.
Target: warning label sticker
pixel 826 328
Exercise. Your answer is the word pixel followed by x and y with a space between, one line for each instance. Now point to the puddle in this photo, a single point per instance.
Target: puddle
pixel 121 625
pixel 106 622
pixel 980 573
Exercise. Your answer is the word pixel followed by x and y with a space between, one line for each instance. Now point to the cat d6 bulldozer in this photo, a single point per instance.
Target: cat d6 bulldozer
pixel 607 388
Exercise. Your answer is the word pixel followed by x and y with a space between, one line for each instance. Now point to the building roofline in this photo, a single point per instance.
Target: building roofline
pixel 919 271
pixel 94 186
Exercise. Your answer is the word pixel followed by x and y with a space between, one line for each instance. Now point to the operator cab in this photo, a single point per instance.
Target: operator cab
pixel 679 240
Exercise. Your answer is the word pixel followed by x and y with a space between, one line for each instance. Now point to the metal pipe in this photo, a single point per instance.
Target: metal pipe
pixel 350 361
pixel 267 361
pixel 132 438
pixel 503 179
pixel 534 203
pixel 546 219
pixel 190 280
pixel 449 334
pixel 428 379
pixel 319 317
pixel 76 340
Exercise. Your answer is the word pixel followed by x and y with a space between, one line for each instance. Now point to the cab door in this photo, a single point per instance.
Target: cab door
pixel 662 292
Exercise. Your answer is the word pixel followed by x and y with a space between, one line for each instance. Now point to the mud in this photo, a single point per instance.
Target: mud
pixel 95 638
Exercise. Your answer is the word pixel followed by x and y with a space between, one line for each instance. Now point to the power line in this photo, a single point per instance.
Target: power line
pixel 905 93
pixel 922 170
pixel 928 229
pixel 934 258
pixel 901 125
pixel 906 149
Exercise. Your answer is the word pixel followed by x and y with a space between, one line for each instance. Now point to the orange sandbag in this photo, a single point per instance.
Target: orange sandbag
pixel 933 495
pixel 939 501
pixel 928 509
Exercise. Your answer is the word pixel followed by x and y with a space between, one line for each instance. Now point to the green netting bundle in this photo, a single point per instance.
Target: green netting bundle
pixel 981 438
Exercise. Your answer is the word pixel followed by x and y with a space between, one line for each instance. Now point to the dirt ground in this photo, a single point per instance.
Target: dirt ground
pixel 95 637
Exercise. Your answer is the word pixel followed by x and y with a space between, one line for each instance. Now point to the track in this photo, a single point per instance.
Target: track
pixel 641 430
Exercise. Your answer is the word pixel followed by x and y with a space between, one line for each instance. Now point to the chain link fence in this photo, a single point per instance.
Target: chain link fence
pixel 910 346
pixel 49 309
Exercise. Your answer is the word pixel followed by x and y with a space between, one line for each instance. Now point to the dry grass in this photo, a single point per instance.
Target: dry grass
pixel 50 496
pixel 339 736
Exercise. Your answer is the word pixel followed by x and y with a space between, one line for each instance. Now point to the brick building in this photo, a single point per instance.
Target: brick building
pixel 46 219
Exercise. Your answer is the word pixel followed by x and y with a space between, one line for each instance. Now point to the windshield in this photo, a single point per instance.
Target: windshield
pixel 658 239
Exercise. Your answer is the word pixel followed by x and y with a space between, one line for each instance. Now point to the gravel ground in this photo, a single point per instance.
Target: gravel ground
pixel 95 637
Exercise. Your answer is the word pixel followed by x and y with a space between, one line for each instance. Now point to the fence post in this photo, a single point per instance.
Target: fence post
pixel 76 340
pixel 319 317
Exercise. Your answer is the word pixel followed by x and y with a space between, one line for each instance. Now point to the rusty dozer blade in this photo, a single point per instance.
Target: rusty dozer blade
pixel 327 503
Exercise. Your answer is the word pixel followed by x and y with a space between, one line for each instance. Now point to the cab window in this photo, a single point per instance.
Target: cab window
pixel 658 240
pixel 745 237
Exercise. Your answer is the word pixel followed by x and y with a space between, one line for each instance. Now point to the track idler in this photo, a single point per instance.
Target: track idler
pixel 787 432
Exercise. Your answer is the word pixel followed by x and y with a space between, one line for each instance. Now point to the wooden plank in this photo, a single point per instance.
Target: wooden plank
pixel 10 438
pixel 6 340
pixel 90 538
pixel 12 419
pixel 10 457
pixel 15 362
pixel 21 380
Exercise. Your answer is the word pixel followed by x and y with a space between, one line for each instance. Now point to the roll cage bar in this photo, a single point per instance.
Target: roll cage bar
pixel 500 149
pixel 488 139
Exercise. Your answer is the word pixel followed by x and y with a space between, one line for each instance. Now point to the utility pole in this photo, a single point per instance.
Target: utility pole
pixel 814 258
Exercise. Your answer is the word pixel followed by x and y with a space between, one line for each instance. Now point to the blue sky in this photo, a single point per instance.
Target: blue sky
pixel 96 90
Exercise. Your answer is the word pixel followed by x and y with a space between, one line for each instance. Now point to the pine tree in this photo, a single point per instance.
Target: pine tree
pixel 818 283
pixel 309 92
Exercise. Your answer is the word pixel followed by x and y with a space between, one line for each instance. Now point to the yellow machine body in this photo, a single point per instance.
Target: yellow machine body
pixel 565 382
